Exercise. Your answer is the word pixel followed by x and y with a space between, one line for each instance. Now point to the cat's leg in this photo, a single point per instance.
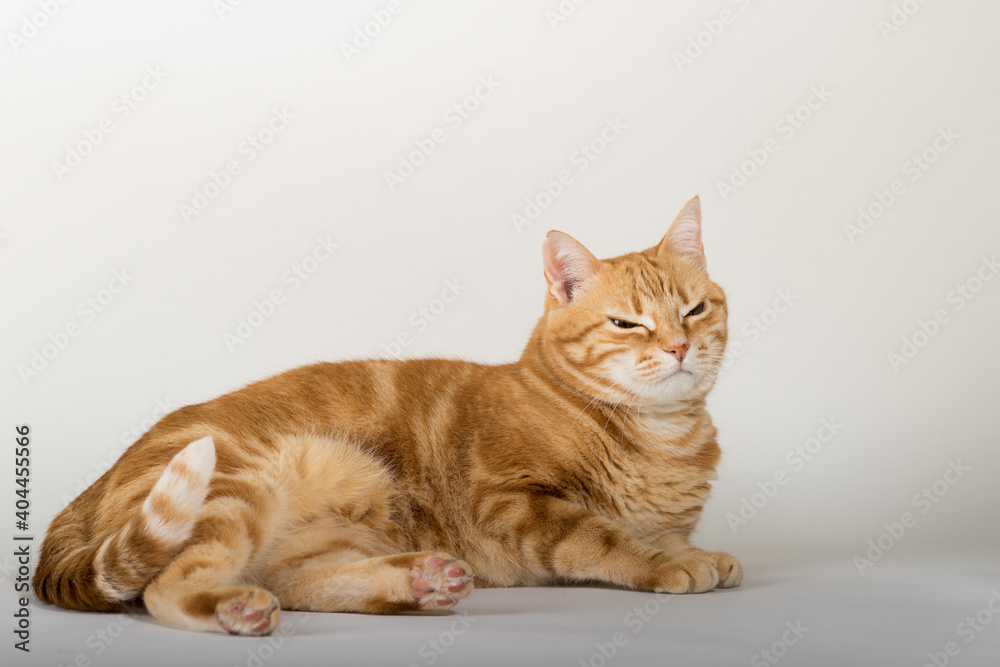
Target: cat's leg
pixel 557 539
pixel 728 567
pixel 347 575
pixel 203 587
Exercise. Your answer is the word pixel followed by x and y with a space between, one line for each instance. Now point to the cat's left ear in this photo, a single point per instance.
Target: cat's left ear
pixel 684 236
pixel 568 265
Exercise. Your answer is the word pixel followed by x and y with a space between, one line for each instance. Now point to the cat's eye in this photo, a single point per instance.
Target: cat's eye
pixel 697 310
pixel 622 324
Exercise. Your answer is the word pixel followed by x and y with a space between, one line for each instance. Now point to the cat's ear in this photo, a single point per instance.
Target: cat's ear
pixel 684 236
pixel 567 265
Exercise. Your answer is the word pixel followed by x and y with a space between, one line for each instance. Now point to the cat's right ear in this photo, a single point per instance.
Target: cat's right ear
pixel 568 266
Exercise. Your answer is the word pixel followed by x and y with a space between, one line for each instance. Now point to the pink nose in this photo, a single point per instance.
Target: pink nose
pixel 677 348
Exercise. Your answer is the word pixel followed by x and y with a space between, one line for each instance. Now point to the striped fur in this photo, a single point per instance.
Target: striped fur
pixel 103 575
pixel 357 486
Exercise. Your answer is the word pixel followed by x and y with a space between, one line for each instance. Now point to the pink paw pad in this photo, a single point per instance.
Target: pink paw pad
pixel 255 614
pixel 440 583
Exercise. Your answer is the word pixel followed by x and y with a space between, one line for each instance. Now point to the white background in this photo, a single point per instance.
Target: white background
pixel 688 126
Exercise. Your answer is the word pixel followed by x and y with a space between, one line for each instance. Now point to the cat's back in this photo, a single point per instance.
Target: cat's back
pixel 389 398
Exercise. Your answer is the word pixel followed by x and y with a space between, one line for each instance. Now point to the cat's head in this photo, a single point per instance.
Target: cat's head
pixel 646 328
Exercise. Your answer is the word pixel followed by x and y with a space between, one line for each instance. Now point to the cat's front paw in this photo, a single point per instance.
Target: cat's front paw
pixel 691 573
pixel 729 569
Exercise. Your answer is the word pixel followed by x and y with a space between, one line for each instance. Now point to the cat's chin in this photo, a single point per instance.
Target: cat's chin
pixel 676 372
pixel 675 385
pixel 677 377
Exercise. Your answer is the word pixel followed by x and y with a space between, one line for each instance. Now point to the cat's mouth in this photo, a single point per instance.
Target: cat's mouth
pixel 676 371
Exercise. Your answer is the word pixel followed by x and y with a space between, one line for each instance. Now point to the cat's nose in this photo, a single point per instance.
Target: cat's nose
pixel 678 348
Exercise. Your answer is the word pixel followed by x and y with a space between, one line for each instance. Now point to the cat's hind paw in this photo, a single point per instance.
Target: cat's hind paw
pixel 440 581
pixel 249 612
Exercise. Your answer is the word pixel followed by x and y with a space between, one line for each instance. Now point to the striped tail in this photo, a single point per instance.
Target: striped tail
pixel 78 573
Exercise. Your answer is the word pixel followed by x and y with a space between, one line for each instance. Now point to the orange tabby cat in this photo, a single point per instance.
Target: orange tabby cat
pixel 355 486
